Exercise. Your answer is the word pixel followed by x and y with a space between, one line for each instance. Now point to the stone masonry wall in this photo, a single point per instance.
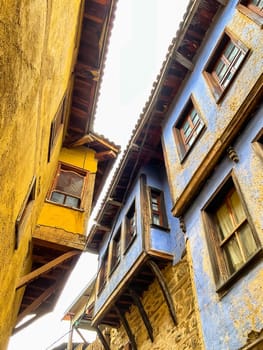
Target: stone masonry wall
pixel 167 336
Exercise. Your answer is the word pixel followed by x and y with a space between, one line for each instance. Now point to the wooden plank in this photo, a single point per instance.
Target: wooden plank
pixel 81 336
pixel 146 321
pixel 38 301
pixel 45 268
pixel 105 155
pixel 183 61
pixel 126 327
pixel 102 338
pixel 164 288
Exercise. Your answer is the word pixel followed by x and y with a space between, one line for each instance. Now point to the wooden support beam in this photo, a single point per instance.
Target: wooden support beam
pixel 222 2
pixel 126 327
pixel 105 155
pixel 38 301
pixel 113 202
pixel 81 336
pixel 45 268
pixel 138 303
pixel 183 61
pixel 158 274
pixel 102 338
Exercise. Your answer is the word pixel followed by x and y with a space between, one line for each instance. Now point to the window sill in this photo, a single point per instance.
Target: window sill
pixel 159 227
pixel 64 206
pixel 251 15
pixel 224 287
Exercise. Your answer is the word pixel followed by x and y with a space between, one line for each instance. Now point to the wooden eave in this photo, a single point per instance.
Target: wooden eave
pixel 177 67
pixel 51 266
pixel 97 23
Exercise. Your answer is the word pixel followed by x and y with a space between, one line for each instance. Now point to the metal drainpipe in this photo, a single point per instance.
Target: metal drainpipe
pixel 69 347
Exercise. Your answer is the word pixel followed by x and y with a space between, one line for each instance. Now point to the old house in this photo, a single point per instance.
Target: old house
pixel 179 233
pixel 213 144
pixel 53 164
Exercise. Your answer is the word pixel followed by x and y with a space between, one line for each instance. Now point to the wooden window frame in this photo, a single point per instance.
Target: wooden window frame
pixel 217 90
pixel 161 211
pixel 129 236
pixel 223 278
pixel 115 248
pixel 25 211
pixel 251 11
pixel 103 272
pixel 183 147
pixel 81 172
pixel 56 126
pixel 257 144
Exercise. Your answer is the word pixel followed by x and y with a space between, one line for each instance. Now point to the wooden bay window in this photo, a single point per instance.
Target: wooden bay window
pixel 68 187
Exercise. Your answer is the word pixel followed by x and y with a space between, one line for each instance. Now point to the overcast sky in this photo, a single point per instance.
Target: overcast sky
pixel 142 33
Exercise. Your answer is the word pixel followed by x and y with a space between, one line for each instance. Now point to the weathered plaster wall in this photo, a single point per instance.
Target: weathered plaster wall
pixel 216 117
pixel 37 43
pixel 226 322
pixel 240 311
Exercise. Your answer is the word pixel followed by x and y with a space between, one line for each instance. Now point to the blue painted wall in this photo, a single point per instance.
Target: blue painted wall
pixel 226 321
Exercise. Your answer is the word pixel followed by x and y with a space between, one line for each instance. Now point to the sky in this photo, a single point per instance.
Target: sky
pixel 142 33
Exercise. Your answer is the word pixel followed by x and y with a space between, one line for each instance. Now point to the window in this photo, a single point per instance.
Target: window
pixel 256 5
pixel 116 250
pixel 25 209
pixel 68 186
pixel 158 213
pixel 231 237
pixel 55 128
pixel 187 129
pixel 252 9
pixel 257 144
pixel 224 64
pixel 103 272
pixel 130 225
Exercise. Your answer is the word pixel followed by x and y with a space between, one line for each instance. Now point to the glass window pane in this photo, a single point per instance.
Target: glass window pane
pixel 237 208
pixel 229 49
pixel 57 197
pixel 186 129
pixel 225 224
pixel 247 240
pixel 239 60
pixel 232 54
pixel 194 117
pixel 227 79
pixel 233 255
pixel 72 202
pixel 220 69
pixel 156 219
pixel 70 182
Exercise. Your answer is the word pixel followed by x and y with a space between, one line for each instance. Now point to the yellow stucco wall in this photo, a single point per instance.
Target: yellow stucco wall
pixel 54 215
pixel 37 43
